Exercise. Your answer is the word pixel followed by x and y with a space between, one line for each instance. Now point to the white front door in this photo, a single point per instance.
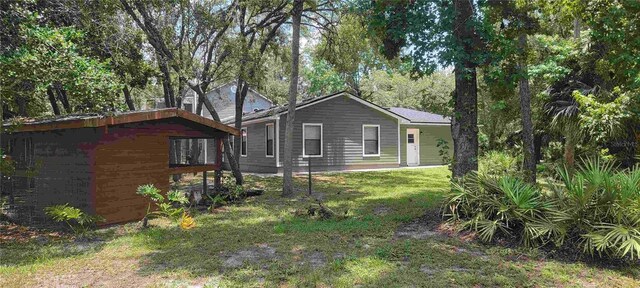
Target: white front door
pixel 413 147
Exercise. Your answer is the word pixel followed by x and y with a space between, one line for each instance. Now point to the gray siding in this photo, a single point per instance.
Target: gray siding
pixel 61 174
pixel 428 139
pixel 342 120
pixel 256 159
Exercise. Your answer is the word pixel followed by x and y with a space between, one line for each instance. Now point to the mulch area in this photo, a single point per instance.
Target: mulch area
pixel 10 232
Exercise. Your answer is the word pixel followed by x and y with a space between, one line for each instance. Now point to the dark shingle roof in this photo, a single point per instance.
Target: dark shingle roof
pixel 417 116
pixel 279 109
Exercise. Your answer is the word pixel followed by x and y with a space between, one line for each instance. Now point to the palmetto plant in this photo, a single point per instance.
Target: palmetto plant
pixel 596 207
pixel 505 205
pixel 603 205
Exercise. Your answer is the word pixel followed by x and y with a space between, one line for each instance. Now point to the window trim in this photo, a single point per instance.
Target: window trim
pixel 304 152
pixel 363 149
pixel 246 141
pixel 266 140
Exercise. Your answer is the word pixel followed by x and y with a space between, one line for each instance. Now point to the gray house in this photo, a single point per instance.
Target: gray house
pixel 223 100
pixel 342 132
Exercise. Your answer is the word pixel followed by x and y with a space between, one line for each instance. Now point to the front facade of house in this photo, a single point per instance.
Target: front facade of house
pixel 341 132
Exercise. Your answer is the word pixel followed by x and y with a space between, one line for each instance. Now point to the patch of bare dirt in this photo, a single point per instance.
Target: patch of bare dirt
pixel 125 274
pixel 420 228
pixel 250 255
pixel 315 259
pixel 382 210
pixel 10 232
pixel 431 225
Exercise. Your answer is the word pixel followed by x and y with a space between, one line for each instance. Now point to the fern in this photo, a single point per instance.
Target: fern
pixel 78 221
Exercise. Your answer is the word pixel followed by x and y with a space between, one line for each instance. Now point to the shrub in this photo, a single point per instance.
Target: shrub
pixel 498 163
pixel 603 207
pixel 235 192
pixel 79 222
pixel 507 206
pixel 596 208
pixel 173 207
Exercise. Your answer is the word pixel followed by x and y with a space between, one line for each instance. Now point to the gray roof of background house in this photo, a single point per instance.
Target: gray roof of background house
pixel 280 109
pixel 416 116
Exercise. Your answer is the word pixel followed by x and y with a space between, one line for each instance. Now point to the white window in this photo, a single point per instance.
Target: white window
pixel 243 143
pixel 311 140
pixel 269 139
pixel 370 140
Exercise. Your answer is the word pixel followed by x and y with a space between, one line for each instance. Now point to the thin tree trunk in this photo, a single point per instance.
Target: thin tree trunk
pixel 127 98
pixel 569 152
pixel 167 87
pixel 62 95
pixel 241 95
pixel 528 145
pixel 53 101
pixel 227 148
pixel 464 124
pixel 287 185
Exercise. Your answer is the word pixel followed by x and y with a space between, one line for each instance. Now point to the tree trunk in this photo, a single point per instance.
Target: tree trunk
pixel 287 184
pixel 62 95
pixel 241 93
pixel 569 152
pixel 167 87
pixel 53 101
pixel 227 148
pixel 464 124
pixel 528 146
pixel 127 98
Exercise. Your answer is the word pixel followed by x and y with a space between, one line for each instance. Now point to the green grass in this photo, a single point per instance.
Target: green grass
pixel 361 249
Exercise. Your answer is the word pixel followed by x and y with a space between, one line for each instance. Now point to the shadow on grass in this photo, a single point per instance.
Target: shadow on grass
pixel 18 254
pixel 360 250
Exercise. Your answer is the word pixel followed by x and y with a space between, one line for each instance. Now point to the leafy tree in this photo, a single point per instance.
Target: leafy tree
pixel 258 24
pixel 322 79
pixel 349 53
pixel 196 53
pixel 50 66
pixel 439 33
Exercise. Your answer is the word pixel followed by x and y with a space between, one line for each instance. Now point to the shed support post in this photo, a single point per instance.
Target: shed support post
pixel 309 166
pixel 218 172
pixel 204 183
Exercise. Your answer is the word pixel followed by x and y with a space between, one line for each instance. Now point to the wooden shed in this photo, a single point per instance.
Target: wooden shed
pixel 96 162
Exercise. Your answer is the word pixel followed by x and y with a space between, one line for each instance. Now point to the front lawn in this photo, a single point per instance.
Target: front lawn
pixel 390 237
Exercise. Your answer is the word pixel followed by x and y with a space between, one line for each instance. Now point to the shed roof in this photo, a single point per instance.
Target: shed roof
pixel 416 116
pixel 93 120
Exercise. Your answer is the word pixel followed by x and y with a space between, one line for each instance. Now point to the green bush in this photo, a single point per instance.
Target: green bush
pixel 596 208
pixel 498 163
pixel 79 222
pixel 172 207
pixel 235 192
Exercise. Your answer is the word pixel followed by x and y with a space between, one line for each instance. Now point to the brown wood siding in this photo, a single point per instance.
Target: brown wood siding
pixel 129 156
